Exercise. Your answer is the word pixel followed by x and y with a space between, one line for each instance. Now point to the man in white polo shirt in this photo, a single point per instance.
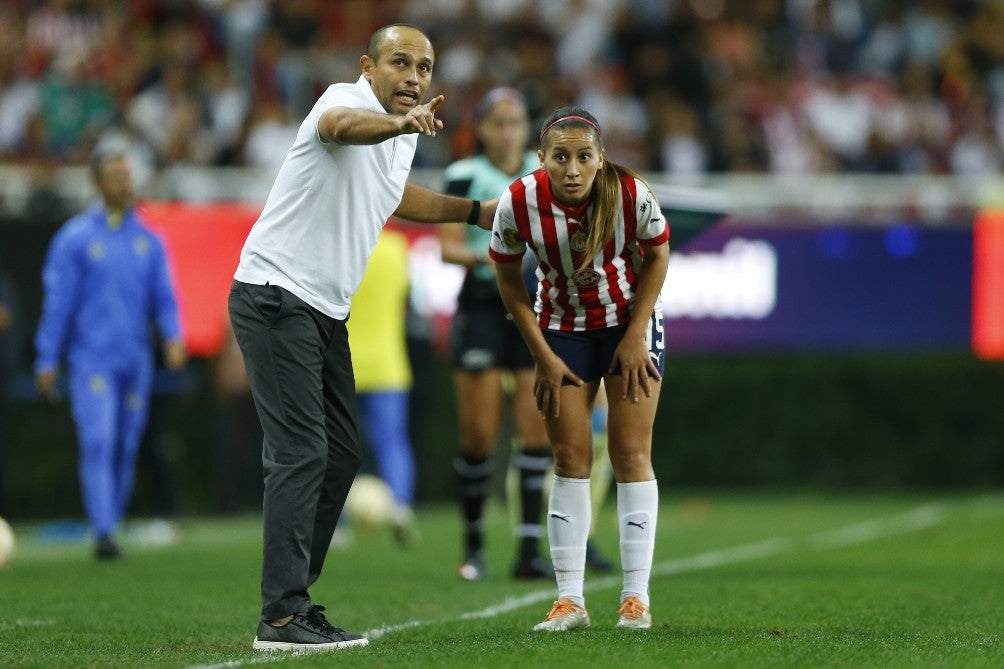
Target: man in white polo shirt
pixel 344 176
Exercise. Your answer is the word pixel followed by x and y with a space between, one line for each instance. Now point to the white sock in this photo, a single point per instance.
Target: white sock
pixel 569 514
pixel 637 511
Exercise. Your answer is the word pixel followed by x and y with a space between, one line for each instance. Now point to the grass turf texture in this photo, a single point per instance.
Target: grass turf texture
pixel 750 580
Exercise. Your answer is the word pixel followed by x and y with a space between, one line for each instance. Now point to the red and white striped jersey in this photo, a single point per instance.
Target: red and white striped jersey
pixel 568 298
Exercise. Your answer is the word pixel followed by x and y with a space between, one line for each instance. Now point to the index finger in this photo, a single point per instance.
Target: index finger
pixel 435 102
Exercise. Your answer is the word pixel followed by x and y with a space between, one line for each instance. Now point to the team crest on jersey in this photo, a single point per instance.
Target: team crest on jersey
pixel 510 237
pixel 141 245
pixel 578 241
pixel 585 277
pixel 96 250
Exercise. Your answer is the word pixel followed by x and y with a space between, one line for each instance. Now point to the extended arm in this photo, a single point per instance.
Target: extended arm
pixel 353 125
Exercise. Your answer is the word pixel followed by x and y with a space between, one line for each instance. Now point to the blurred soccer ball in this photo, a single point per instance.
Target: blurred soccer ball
pixel 370 503
pixel 6 542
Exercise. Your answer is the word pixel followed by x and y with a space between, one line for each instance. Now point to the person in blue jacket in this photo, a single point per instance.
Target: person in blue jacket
pixel 106 281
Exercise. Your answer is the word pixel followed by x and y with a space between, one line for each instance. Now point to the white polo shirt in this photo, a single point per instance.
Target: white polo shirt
pixel 326 208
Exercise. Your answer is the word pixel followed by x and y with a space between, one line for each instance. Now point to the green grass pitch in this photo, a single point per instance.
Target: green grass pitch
pixel 740 580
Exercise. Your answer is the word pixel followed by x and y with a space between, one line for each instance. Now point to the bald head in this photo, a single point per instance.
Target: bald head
pixel 390 33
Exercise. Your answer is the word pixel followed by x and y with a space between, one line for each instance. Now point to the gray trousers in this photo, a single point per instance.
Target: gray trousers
pixel 300 372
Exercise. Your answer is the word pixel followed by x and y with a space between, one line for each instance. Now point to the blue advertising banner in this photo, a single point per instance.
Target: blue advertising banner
pixel 806 287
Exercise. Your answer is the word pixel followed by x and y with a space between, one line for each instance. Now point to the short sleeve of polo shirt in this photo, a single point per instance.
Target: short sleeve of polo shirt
pixel 652 226
pixel 506 245
pixel 339 95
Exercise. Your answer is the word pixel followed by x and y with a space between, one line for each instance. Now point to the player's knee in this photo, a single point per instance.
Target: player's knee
pixel 572 463
pixel 478 444
pixel 631 465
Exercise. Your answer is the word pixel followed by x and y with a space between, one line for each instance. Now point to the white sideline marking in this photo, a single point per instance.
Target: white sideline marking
pixel 25 622
pixel 913 520
pixel 869 530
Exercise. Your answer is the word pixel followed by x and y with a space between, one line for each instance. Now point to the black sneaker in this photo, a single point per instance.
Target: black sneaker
pixel 306 633
pixel 595 560
pixel 535 568
pixel 107 549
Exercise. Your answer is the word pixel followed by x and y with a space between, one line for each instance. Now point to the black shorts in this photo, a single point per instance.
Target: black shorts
pixel 485 337
pixel 589 353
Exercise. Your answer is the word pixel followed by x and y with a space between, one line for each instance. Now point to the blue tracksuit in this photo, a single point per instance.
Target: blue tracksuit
pixel 103 288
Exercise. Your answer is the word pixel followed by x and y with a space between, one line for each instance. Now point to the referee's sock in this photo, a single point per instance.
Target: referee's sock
pixel 532 464
pixel 474 473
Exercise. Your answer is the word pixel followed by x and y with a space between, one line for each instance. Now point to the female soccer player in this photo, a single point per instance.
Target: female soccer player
pixel 602 252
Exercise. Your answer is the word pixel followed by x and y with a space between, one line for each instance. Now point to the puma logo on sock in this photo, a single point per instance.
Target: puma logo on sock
pixel 640 526
pixel 559 516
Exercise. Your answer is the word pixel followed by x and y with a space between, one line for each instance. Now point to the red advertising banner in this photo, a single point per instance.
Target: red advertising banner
pixel 204 244
pixel 988 285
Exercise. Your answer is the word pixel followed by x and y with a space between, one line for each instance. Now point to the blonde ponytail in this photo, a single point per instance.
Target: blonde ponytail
pixel 608 201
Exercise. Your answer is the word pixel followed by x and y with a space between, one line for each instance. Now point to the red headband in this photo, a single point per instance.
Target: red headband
pixel 571 118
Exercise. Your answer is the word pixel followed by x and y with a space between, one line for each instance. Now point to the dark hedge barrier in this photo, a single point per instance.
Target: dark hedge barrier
pixel 872 421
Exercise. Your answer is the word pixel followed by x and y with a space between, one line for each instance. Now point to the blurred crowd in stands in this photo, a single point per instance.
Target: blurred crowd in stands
pixel 687 87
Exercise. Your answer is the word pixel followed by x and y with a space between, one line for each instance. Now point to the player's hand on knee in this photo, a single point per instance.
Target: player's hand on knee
pixel 550 376
pixel 637 370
